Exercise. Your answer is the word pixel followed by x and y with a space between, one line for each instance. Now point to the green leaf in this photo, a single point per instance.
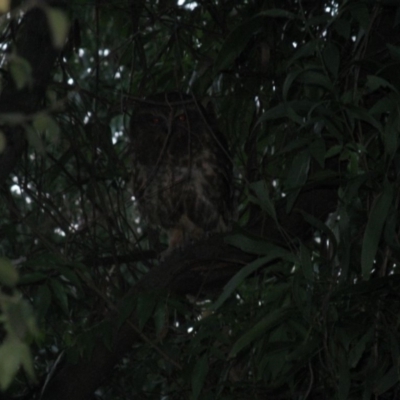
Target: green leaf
pixel 357 351
pixel 391 133
pixel 257 246
pixel 60 294
pixel 306 264
pixel 236 280
pixel 374 228
pixel 345 243
pixel 285 110
pixel 4 6
pixel 240 276
pixel 290 78
pixel 331 58
pixel 236 42
pixel 304 51
pixel 59 26
pixel 69 274
pixel 199 374
pixel 260 329
pixel 8 273
pixel 298 172
pixel 146 304
pixel 13 118
pixel 390 379
pixel 311 77
pixel 394 51
pixel 321 226
pixel 3 141
pixel 318 151
pixel 277 13
pixel 293 115
pixel 42 302
pixel 360 13
pixel 34 139
pixel 159 317
pixel 342 27
pixel 21 71
pixel 277 112
pixel 20 321
pixel 44 123
pixel 382 106
pixel 344 376
pixel 376 82
pixel 125 309
pixel 13 354
pixel 296 177
pixel 261 190
pixel 240 36
pixel 33 277
pixel 364 115
pixel 106 330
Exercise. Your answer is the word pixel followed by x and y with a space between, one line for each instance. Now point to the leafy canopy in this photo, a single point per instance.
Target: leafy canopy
pixel 307 94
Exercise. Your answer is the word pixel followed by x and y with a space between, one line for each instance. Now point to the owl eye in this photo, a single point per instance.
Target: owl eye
pixel 182 117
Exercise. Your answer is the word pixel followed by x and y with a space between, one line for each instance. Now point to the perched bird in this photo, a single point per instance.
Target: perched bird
pixel 182 170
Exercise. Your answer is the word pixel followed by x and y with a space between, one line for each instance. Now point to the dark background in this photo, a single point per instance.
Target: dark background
pixel 299 301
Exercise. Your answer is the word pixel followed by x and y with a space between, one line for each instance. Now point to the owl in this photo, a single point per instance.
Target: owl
pixel 182 173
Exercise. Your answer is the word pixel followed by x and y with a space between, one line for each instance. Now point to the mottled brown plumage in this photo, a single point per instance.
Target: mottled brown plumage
pixel 182 171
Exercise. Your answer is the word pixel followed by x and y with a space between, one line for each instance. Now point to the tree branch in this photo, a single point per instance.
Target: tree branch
pixel 34 44
pixel 202 267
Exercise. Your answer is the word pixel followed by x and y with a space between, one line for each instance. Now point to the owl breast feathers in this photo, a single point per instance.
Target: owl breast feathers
pixel 182 170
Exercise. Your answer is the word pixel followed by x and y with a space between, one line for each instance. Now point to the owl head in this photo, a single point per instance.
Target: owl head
pixel 171 122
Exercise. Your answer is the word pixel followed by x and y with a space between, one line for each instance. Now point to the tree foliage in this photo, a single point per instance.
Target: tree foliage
pixel 300 300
